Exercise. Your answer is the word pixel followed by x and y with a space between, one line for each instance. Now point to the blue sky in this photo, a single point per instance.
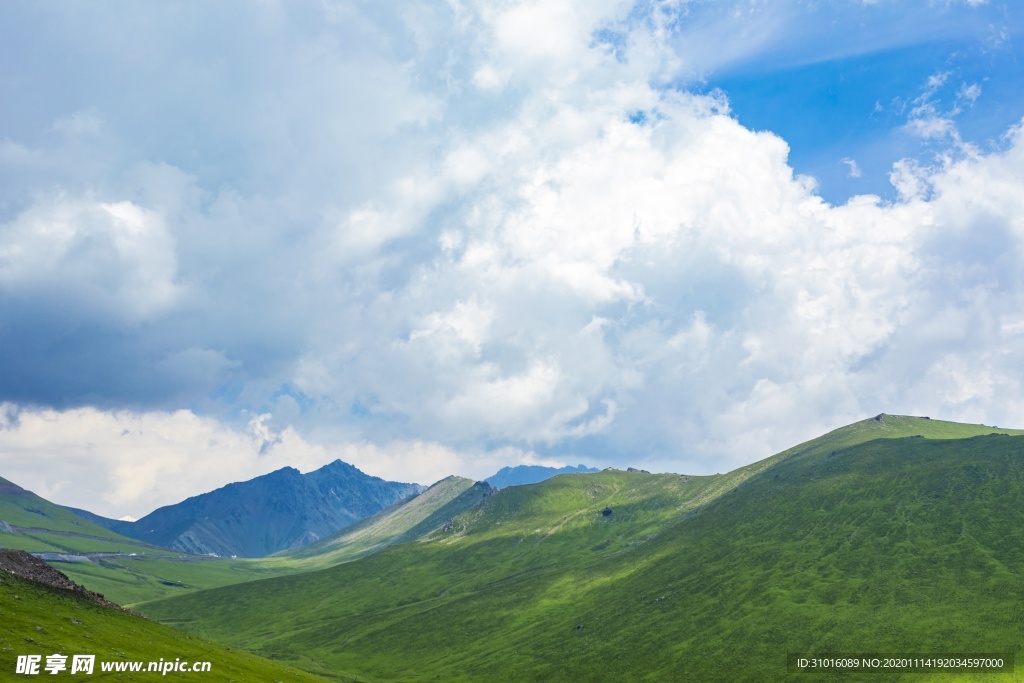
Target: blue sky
pixel 434 238
pixel 840 82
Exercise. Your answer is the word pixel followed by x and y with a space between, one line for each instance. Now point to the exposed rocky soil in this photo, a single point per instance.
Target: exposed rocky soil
pixel 30 567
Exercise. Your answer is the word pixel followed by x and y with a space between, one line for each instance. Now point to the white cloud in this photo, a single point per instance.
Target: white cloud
pixel 468 322
pixel 117 462
pixel 487 77
pixel 431 237
pixel 855 171
pixel 540 41
pixel 707 264
pixel 969 93
pixel 115 255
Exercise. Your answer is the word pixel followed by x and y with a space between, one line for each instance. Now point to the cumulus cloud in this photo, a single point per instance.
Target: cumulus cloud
pixel 437 239
pixel 635 264
pixel 117 258
pixel 128 463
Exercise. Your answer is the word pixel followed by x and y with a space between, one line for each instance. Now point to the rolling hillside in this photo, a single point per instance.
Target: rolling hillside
pixel 406 520
pixel 124 569
pixel 864 540
pixel 42 620
pixel 130 580
pixel 28 522
pixel 129 571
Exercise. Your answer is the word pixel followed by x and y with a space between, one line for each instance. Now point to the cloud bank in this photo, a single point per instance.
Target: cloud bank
pixel 442 238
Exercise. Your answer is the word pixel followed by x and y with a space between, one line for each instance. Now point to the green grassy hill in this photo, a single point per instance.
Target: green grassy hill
pixel 407 520
pixel 34 524
pixel 130 580
pixel 123 569
pixel 38 620
pixel 129 571
pixel 859 541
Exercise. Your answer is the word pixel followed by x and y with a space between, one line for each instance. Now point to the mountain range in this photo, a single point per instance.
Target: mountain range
pixel 895 534
pixel 281 510
pixel 285 509
pixel 531 474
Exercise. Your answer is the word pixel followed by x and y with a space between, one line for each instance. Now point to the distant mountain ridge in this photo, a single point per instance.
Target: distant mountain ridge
pixel 531 474
pixel 119 526
pixel 277 511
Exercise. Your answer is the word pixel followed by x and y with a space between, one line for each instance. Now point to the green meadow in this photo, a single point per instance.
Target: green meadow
pixel 897 535
pixel 45 527
pixel 37 620
pixel 123 569
pixel 894 535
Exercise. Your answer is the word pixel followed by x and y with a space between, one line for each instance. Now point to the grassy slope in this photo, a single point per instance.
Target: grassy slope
pixel 899 545
pixel 38 620
pixel 527 531
pixel 51 528
pixel 159 573
pixel 153 573
pixel 406 520
pixel 130 580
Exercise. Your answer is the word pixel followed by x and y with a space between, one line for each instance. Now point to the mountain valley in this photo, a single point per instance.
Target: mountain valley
pixel 893 534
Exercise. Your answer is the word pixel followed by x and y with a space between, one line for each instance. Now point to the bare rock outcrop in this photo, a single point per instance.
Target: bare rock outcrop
pixel 27 566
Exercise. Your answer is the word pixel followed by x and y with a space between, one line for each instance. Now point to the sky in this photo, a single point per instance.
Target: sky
pixel 434 238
